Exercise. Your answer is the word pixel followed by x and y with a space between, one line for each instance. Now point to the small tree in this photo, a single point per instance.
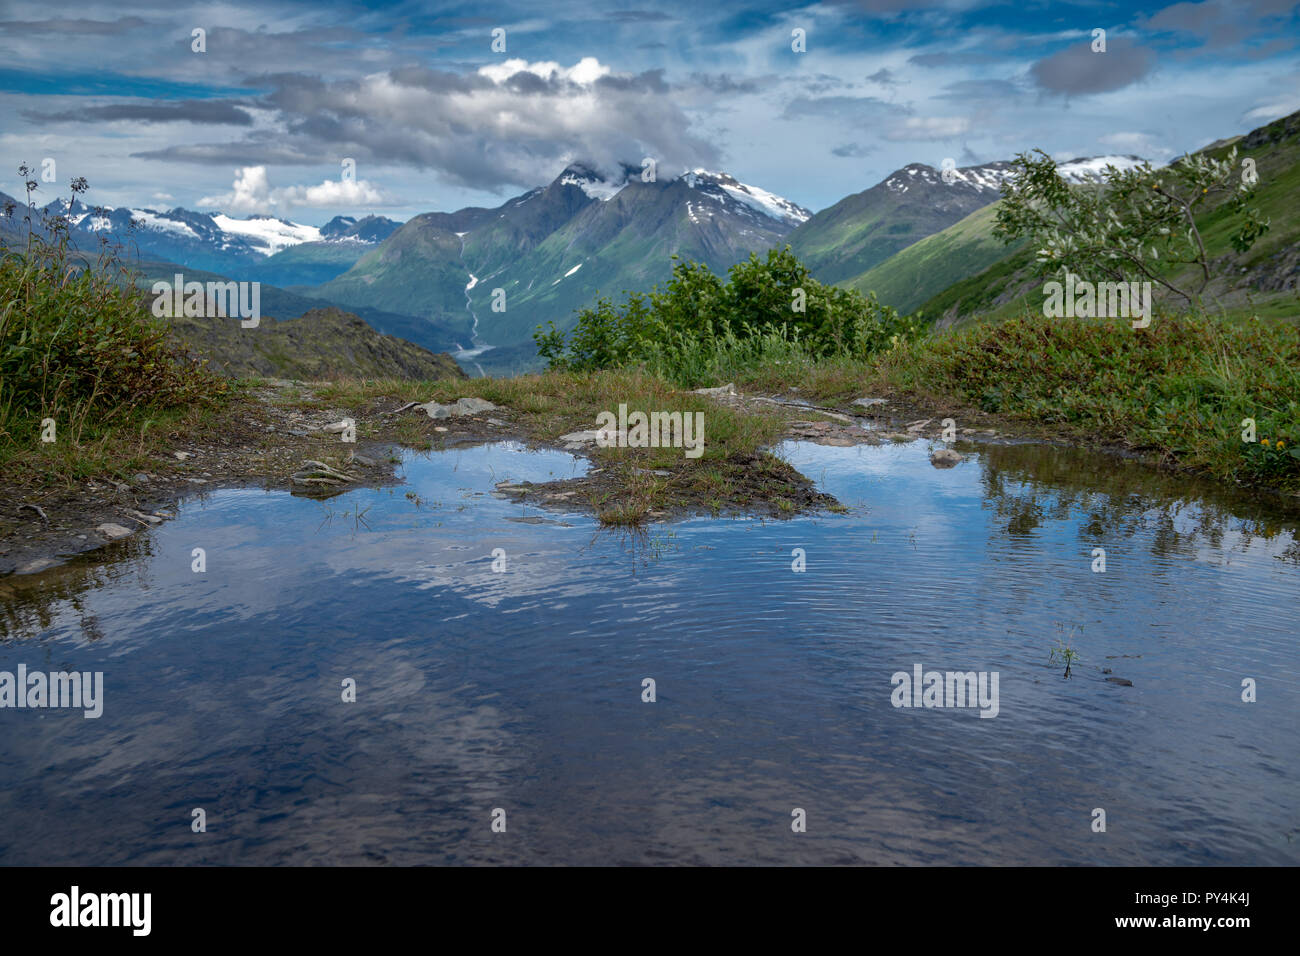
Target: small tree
pixel 1131 223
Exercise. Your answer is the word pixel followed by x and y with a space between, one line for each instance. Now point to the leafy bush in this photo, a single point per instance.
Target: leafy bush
pixel 1129 224
pixel 78 342
pixel 695 325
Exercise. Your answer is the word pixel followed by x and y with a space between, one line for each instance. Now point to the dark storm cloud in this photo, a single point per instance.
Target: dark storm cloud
pixel 723 83
pixel 503 126
pixel 74 27
pixel 850 109
pixel 1077 70
pixel 639 16
pixel 211 112
pixel 852 150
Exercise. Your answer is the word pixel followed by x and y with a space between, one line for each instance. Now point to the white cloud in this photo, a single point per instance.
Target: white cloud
pixel 1272 111
pixel 929 127
pixel 252 192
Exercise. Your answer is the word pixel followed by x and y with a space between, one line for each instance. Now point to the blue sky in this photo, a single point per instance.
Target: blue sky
pixel 435 119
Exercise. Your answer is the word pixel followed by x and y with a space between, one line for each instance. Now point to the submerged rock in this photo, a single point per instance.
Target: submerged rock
pixel 112 531
pixel 945 457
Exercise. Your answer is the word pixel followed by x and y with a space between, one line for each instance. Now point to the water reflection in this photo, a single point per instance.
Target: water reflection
pixel 522 688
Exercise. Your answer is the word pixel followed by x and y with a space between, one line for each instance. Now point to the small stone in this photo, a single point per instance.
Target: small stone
pixel 182 455
pixel 728 389
pixel 363 461
pixel 140 478
pixel 868 402
pixel 40 564
pixel 112 531
pixel 337 428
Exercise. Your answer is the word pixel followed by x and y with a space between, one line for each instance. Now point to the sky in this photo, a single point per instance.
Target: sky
pixel 444 105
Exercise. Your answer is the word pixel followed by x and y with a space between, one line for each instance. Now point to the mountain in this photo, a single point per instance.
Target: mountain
pixel 843 243
pixel 959 274
pixel 554 249
pixel 261 248
pixel 867 228
pixel 321 344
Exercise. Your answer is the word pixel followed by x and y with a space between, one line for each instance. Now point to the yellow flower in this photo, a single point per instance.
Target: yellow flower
pixel 1279 443
pixel 1264 442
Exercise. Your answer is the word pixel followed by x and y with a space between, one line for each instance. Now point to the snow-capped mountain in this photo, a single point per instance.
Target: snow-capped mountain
pixel 863 230
pixel 555 248
pixel 225 244
pixel 1093 167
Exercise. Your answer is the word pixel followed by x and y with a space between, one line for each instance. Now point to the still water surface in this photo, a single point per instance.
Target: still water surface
pixel 522 689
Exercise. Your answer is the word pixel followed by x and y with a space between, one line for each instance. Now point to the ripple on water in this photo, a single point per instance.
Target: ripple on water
pixel 522 689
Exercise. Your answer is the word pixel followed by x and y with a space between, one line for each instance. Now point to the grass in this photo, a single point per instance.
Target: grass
pixel 1178 391
pixel 114 449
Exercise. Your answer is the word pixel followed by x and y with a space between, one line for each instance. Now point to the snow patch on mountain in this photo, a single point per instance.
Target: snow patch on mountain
pixel 271 235
pixel 725 187
pixel 989 177
pixel 1082 170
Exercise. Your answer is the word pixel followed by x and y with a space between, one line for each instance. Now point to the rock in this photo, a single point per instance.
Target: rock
pixel 338 428
pixel 473 406
pixel 363 461
pixel 140 478
pixel 112 531
pixel 918 425
pixel 728 389
pixel 148 519
pixel 1120 681
pixel 460 408
pixel 435 410
pixel 182 455
pixel 578 437
pixel 945 457
pixel 868 402
pixel 40 564
pixel 319 473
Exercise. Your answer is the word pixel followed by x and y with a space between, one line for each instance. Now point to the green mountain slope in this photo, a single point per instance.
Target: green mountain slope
pixel 863 230
pixel 1262 281
pixel 908 278
pixel 322 344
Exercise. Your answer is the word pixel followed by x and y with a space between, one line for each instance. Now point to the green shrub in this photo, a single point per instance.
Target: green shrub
pixel 695 327
pixel 78 342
